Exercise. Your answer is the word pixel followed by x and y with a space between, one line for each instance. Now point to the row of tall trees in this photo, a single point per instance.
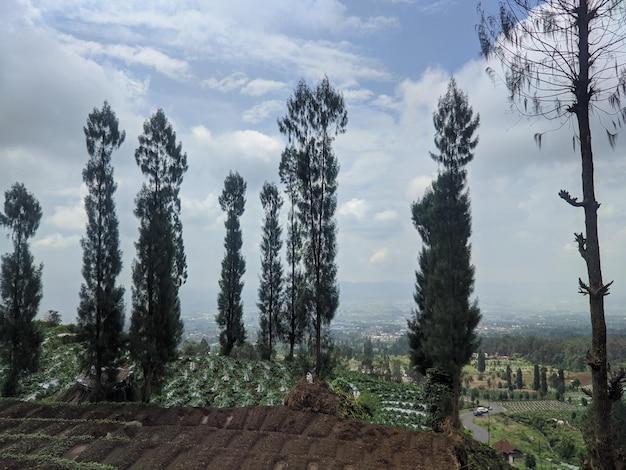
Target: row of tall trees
pixel 309 171
pixel 306 298
pixel 159 268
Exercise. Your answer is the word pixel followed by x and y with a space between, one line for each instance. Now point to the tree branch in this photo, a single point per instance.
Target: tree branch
pixel 572 201
pixel 582 245
pixel 601 291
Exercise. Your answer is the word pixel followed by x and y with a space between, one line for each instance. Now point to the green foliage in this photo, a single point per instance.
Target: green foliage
pixel 20 289
pixel 543 387
pixel 52 318
pixel 101 309
pixel 296 292
pixel 393 404
pixel 270 292
pixel 229 302
pixel 562 434
pixel 368 354
pixel 442 331
pixel 438 397
pixel 481 361
pixel 530 461
pixel 314 117
pixel 160 266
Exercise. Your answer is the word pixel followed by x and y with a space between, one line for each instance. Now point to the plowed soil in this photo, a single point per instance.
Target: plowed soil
pixel 145 437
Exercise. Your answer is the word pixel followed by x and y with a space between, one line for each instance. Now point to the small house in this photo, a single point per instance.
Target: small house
pixel 512 454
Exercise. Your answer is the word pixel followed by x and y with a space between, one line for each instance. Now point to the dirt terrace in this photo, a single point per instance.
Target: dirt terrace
pixel 143 437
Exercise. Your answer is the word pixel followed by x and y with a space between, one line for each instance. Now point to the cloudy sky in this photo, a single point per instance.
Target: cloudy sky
pixel 223 70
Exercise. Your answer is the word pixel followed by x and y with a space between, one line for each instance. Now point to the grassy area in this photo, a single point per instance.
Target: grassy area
pixel 540 436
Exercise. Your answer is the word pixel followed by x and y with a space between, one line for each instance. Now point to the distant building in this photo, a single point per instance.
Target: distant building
pixel 512 454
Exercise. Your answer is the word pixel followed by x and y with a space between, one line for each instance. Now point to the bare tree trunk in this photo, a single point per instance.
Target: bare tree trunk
pixel 602 452
pixel 589 248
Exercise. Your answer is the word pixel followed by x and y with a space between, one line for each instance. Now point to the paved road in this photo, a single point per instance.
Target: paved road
pixel 480 434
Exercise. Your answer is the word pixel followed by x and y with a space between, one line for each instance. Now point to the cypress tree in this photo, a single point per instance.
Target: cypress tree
pixel 442 331
pixel 543 387
pixel 271 280
pixel 536 377
pixel 519 381
pixel 101 308
pixel 295 305
pixel 481 366
pixel 509 383
pixel 229 303
pixel 160 267
pixel 314 118
pixel 20 289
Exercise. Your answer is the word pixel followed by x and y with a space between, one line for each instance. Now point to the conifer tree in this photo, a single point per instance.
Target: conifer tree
pixel 519 381
pixel 536 378
pixel 20 289
pixel 509 383
pixel 271 279
pixel 442 331
pixel 160 267
pixel 481 361
pixel 314 118
pixel 543 387
pixel 101 308
pixel 229 302
pixel 295 305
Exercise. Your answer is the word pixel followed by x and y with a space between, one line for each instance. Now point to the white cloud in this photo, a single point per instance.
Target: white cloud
pixel 360 94
pixel 259 86
pixel 418 186
pixel 57 240
pixel 251 145
pixel 354 207
pixel 140 55
pixel 226 84
pixel 380 256
pixel 261 111
pixel 385 216
pixel 68 217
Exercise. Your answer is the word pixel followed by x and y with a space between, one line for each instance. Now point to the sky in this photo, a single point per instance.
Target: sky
pixel 222 71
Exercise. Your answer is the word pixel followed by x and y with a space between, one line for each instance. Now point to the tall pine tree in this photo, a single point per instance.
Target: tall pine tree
pixel 442 330
pixel 271 279
pixel 20 289
pixel 296 315
pixel 160 267
pixel 229 302
pixel 314 118
pixel 101 308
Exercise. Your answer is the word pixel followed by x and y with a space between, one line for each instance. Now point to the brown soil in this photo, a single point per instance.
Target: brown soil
pixel 132 436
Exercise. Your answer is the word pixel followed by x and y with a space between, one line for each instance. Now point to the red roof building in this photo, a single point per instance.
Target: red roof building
pixel 512 454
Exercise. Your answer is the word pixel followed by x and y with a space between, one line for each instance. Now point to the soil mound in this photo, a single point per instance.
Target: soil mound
pixel 313 397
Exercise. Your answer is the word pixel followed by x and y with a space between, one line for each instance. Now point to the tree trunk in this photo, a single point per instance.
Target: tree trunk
pixel 456 397
pixel 601 404
pixel 602 451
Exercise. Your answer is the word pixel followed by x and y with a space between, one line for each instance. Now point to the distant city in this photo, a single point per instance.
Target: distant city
pixel 382 309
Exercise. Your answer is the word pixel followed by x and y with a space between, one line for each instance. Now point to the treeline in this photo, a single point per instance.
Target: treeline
pixel 295 304
pixel 566 353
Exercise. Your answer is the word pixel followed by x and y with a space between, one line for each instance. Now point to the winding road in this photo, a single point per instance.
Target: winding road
pixel 480 434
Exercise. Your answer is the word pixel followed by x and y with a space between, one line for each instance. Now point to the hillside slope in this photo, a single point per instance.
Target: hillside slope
pixel 274 437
